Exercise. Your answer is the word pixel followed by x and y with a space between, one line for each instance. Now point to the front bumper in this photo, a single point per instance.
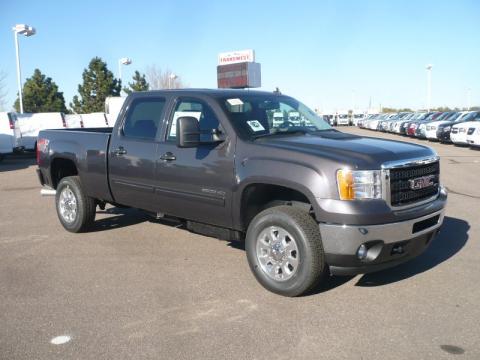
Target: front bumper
pixel 473 140
pixel 388 244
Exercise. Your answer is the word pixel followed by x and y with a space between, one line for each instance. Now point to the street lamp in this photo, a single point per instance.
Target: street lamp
pixel 26 30
pixel 171 78
pixel 429 85
pixel 122 61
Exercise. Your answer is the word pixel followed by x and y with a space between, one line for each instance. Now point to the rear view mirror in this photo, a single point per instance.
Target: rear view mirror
pixel 188 132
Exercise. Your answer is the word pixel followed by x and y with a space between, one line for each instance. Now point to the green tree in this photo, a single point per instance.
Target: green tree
pixel 98 84
pixel 40 94
pixel 139 83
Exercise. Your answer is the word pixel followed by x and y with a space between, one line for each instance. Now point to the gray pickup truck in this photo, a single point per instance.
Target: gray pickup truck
pixel 308 200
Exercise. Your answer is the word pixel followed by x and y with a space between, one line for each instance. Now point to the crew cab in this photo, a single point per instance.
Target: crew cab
pixel 308 200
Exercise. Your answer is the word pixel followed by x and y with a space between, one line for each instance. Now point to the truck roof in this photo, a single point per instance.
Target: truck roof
pixel 210 92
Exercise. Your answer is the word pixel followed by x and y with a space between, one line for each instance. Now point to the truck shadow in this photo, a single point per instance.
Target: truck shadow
pixel 124 217
pixel 17 162
pixel 452 238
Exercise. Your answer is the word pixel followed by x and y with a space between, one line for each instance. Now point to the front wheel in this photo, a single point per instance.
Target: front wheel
pixel 284 250
pixel 75 210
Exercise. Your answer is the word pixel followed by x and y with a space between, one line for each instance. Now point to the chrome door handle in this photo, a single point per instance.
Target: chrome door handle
pixel 168 156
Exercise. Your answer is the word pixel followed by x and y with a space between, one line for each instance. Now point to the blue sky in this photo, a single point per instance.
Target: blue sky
pixel 326 53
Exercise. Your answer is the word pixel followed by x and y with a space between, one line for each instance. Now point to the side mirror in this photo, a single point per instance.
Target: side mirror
pixel 188 132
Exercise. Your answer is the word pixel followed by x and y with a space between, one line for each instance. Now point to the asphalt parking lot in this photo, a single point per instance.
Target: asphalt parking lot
pixel 139 288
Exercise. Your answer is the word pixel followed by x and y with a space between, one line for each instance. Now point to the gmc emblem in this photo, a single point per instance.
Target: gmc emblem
pixel 421 182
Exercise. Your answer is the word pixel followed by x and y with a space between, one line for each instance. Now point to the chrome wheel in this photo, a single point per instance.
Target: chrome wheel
pixel 68 205
pixel 277 253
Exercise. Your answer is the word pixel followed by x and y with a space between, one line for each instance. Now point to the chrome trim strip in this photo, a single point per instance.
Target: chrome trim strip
pixel 411 162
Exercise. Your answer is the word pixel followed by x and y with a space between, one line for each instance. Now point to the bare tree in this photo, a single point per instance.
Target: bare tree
pixel 163 79
pixel 3 91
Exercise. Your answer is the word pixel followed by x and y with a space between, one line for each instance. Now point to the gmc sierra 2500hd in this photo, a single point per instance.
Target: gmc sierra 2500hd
pixel 307 200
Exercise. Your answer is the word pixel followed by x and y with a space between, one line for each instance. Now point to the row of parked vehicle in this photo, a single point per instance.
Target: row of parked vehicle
pixel 458 127
pixel 19 132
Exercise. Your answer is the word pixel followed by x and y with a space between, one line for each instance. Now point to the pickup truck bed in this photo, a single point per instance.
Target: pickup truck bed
pixel 85 147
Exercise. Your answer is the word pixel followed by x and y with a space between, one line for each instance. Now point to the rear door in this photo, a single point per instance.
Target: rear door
pixel 196 183
pixel 133 153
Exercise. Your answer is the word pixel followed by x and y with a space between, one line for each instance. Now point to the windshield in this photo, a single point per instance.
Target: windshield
pixel 471 116
pixel 263 115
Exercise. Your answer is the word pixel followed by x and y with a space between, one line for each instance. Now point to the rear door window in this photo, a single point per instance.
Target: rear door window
pixel 144 118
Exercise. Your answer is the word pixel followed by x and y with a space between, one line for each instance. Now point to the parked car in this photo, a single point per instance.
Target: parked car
pixel 431 129
pixel 422 125
pixel 444 130
pixel 343 119
pixel 306 199
pixel 458 133
pixel 397 126
pixel 7 134
pixel 357 117
pixel 473 134
pixel 412 125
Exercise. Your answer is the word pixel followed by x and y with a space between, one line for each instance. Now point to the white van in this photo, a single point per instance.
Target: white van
pixel 343 119
pixel 294 118
pixel 7 133
pixel 73 121
pixel 113 105
pixel 94 120
pixel 278 119
pixel 29 125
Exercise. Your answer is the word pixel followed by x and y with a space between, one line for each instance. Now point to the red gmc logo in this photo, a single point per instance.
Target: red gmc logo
pixel 421 182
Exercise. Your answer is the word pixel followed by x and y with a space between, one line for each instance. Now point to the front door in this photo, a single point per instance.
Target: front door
pixel 196 183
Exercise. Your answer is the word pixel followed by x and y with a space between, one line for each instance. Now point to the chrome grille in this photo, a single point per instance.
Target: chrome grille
pixel 401 192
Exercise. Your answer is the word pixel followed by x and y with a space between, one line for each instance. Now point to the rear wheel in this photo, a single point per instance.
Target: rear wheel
pixel 284 250
pixel 75 210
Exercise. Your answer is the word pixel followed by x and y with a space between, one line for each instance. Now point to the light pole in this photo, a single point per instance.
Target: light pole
pixel 122 61
pixel 26 30
pixel 429 86
pixel 171 78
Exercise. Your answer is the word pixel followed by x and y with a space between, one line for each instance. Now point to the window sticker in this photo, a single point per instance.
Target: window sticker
pixel 234 102
pixel 179 114
pixel 255 125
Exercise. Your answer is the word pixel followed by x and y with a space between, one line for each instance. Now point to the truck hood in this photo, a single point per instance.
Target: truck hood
pixel 355 151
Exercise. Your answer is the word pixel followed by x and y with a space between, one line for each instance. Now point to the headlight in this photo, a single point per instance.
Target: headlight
pixel 447 128
pixel 361 184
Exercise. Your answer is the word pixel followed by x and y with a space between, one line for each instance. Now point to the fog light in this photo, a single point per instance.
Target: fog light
pixel 362 252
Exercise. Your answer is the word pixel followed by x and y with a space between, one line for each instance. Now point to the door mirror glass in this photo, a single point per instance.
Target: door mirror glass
pixel 188 132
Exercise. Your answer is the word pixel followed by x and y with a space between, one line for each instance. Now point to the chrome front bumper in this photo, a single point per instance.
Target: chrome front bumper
pixel 387 244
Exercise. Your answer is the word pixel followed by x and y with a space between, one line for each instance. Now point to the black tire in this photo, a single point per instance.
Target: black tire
pixel 2 157
pixel 85 206
pixel 305 231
